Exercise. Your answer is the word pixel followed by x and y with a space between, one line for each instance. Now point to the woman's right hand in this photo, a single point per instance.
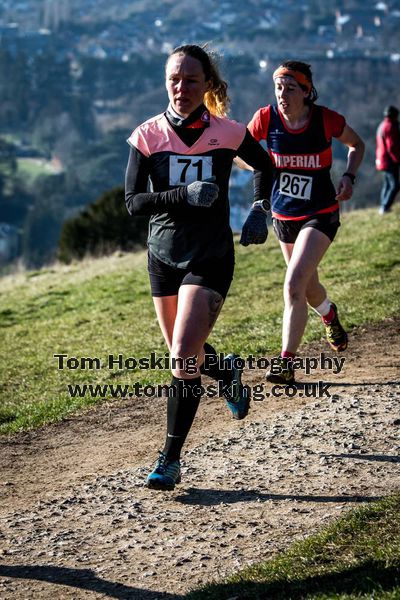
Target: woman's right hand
pixel 202 193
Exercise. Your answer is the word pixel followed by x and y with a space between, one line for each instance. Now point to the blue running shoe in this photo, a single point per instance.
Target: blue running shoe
pixel 165 475
pixel 236 394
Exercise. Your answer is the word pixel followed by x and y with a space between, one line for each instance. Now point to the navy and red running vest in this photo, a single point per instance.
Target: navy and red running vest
pixel 302 160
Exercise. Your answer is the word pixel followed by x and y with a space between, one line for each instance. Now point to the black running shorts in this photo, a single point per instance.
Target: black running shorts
pixel 213 273
pixel 288 230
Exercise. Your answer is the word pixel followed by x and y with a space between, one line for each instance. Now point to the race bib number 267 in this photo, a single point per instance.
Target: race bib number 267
pixel 186 169
pixel 297 186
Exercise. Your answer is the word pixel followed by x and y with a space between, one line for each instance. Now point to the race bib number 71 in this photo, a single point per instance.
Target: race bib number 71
pixel 186 169
pixel 297 186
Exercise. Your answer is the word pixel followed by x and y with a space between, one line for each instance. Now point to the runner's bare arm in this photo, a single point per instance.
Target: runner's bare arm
pixel 241 164
pixel 356 147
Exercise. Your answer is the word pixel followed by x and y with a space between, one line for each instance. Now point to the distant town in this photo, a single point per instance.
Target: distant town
pixel 76 76
pixel 122 28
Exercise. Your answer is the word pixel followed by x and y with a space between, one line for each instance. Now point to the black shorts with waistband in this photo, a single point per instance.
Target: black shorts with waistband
pixel 287 230
pixel 213 273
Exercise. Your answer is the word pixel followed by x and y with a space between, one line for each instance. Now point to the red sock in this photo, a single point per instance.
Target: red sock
pixel 287 354
pixel 326 319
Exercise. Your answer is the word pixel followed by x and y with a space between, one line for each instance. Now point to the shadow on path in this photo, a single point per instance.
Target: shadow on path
pixel 372 457
pixel 309 384
pixel 209 497
pixel 82 579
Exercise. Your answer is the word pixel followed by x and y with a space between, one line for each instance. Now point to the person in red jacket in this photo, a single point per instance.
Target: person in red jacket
pixel 388 157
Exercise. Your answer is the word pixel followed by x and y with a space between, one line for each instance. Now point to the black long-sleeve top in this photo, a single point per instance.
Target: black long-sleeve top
pixel 170 158
pixel 139 202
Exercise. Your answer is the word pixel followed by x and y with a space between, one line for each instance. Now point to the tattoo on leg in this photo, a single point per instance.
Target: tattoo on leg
pixel 215 304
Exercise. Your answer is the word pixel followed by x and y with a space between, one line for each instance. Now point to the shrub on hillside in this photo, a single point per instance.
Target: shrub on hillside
pixel 102 228
pixel 41 231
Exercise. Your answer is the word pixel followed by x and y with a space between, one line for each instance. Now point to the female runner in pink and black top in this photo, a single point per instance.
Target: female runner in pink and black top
pixel 304 201
pixel 187 153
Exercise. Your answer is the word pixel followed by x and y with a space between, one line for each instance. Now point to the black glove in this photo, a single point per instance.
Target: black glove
pixel 255 230
pixel 202 193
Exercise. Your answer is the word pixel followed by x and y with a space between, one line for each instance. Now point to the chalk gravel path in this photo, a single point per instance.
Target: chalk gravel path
pixel 76 521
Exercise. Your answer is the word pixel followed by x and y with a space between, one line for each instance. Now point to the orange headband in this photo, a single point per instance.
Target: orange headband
pixel 297 75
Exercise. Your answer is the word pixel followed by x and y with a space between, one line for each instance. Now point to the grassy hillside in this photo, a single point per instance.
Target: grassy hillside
pixel 357 557
pixel 103 307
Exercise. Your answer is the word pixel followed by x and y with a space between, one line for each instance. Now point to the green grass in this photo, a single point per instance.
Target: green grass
pixel 103 306
pixel 357 557
pixel 30 169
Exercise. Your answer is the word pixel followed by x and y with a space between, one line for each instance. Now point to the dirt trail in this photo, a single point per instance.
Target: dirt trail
pixel 76 521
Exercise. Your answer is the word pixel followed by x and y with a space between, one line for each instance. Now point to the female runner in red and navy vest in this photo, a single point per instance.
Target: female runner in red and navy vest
pixel 305 203
pixel 187 154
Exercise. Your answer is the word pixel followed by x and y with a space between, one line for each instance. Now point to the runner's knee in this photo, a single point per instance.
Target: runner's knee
pixel 294 290
pixel 185 360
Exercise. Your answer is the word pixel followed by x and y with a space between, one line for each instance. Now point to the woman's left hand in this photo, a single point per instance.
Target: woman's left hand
pixel 344 190
pixel 255 228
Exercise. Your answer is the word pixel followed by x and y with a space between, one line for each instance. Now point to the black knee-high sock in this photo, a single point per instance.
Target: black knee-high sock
pixel 181 410
pixel 213 368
